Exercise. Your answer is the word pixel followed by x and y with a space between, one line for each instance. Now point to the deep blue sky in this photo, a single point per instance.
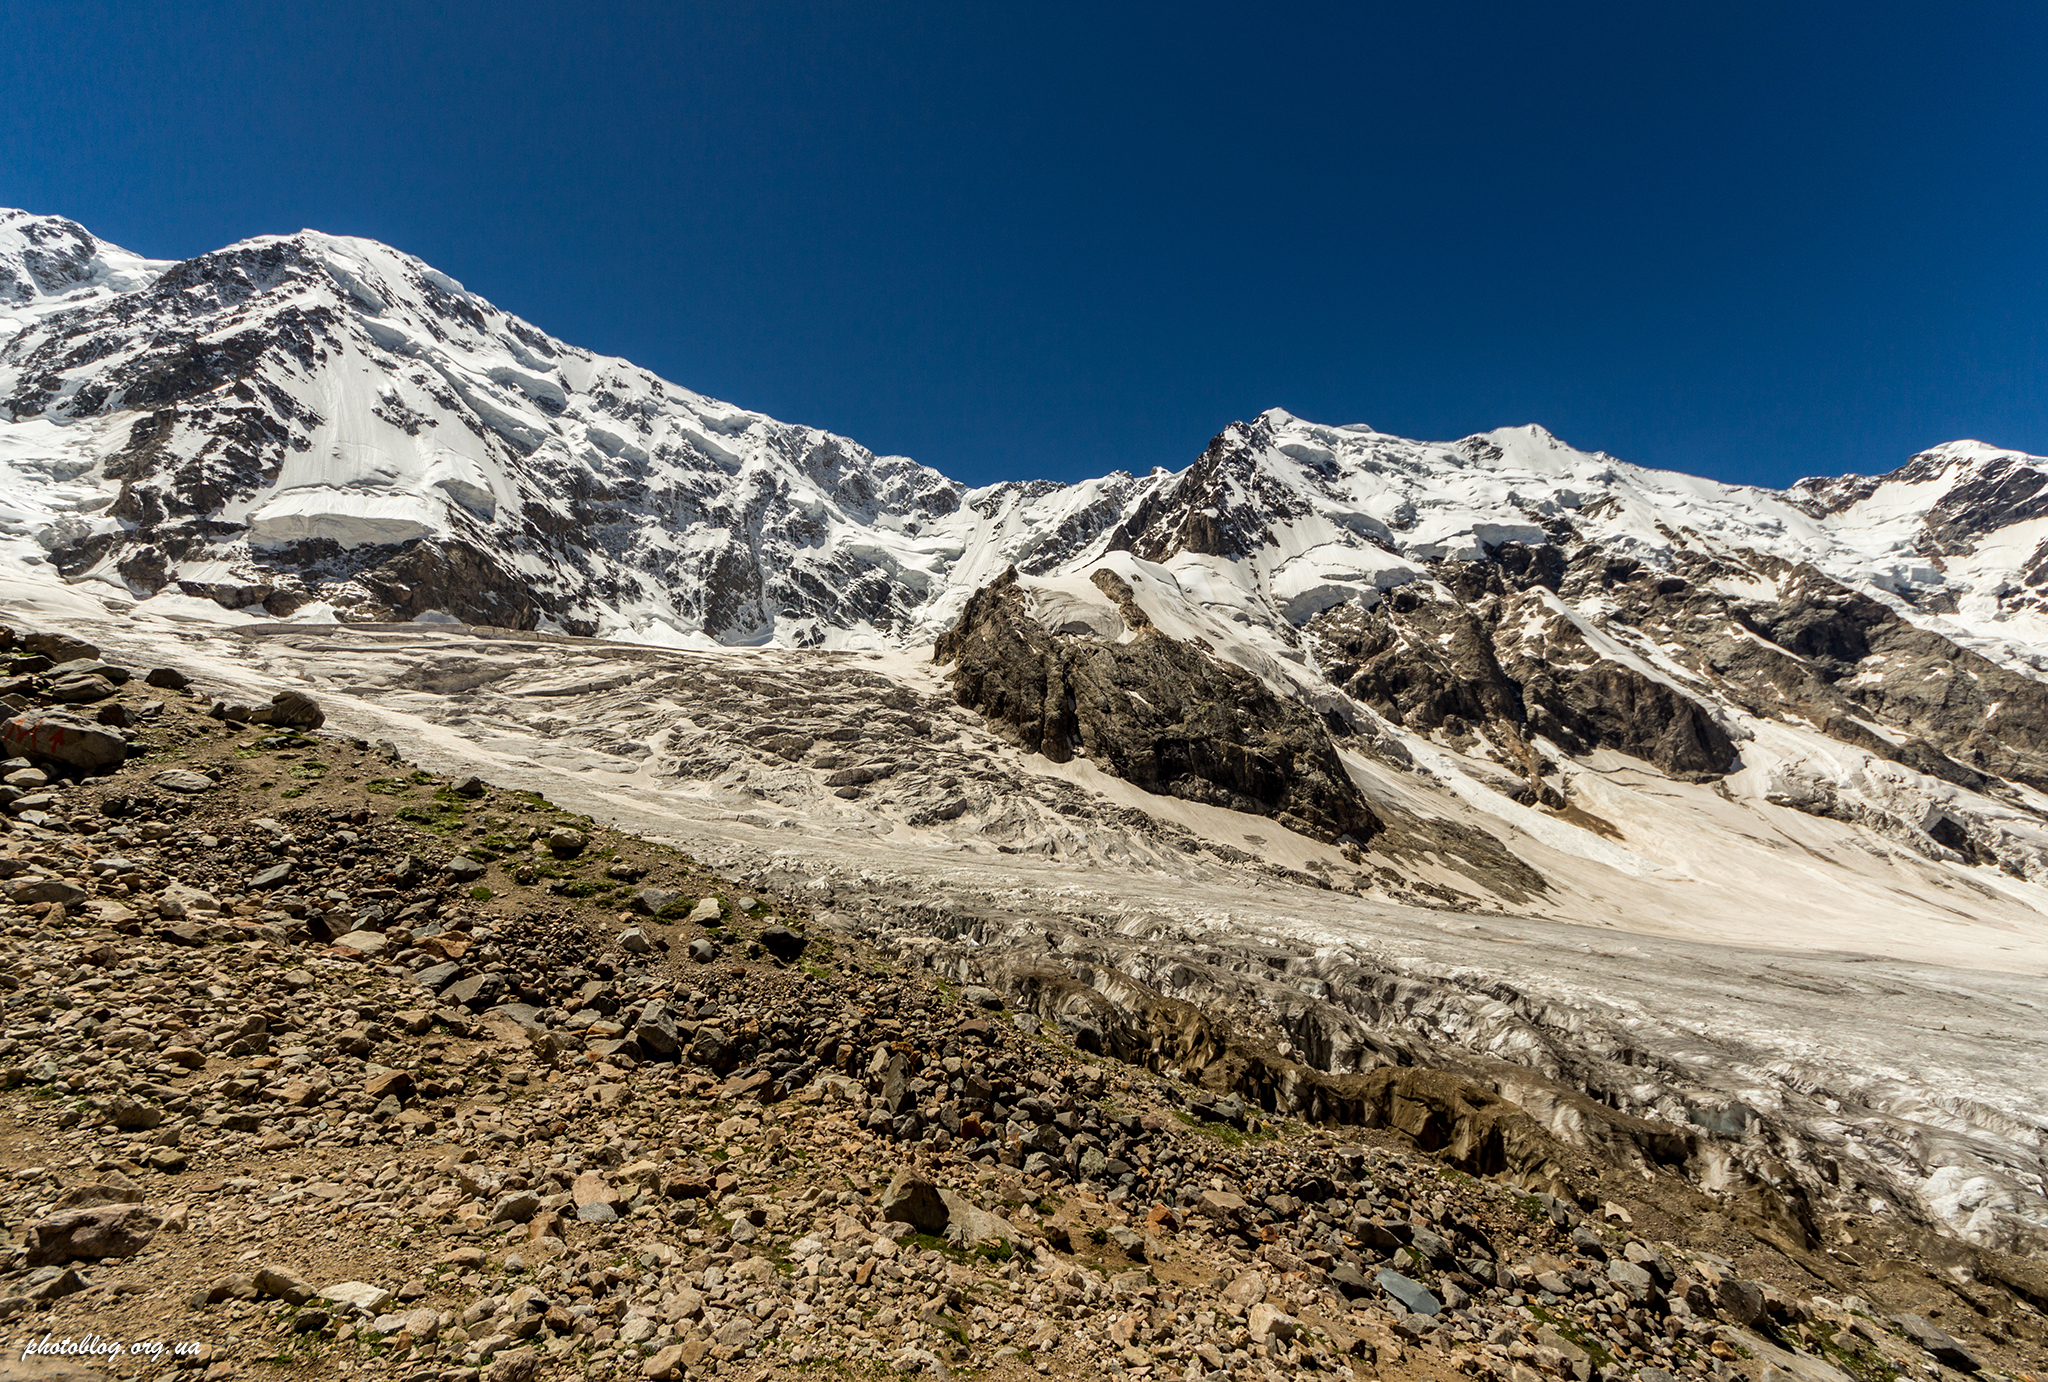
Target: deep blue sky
pixel 1753 241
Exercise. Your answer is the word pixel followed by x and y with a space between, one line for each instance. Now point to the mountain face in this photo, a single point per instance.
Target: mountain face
pixel 1497 675
pixel 315 428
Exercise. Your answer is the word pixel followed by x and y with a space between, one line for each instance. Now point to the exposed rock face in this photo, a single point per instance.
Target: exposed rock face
pixel 1153 711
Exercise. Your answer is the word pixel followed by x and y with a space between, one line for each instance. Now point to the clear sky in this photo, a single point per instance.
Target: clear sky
pixel 1751 241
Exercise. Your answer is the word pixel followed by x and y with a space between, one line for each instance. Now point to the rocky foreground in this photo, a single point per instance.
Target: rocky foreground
pixel 319 1065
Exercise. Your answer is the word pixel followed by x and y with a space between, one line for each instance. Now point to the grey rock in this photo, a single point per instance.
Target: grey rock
pixel 477 992
pixel 463 869
pixel 1411 1293
pixel 656 1029
pixel 183 780
pixel 74 1235
pixel 1940 1345
pixel 284 1284
pixel 52 736
pixel 271 877
pixel 79 690
pixel 515 1208
pixel 167 678
pixel 1741 1301
pixel 291 710
pixel 915 1201
pixel 91 667
pixel 438 977
pixel 1154 711
pixel 1635 1280
pixel 652 902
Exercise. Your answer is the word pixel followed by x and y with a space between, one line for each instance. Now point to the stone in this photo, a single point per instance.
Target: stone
pixel 180 899
pixel 707 912
pixel 183 780
pixel 703 951
pixel 1269 1326
pixel 914 1200
pixel 1741 1301
pixel 982 998
pixel 470 788
pixel 76 690
pixel 271 877
pixel 58 647
pixel 1940 1345
pixel 521 1366
pixel 1634 1280
pixel 515 1208
pixel 463 869
pixel 291 710
pixel 91 667
pixel 52 736
pixel 99 1231
pixel 132 1115
pixel 22 891
pixel 1411 1293
pixel 393 1084
pixel 783 943
pixel 359 1296
pixel 368 944
pixel 479 991
pixel 283 1283
pixel 968 1225
pixel 656 1029
pixel 167 678
pixel 85 1196
pixel 668 1363
pixel 634 941
pixel 565 843
pixel 438 977
pixel 652 902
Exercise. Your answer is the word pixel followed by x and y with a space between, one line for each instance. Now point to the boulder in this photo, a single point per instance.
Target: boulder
pixel 183 780
pixel 52 736
pixel 783 943
pixel 915 1201
pixel 284 1284
pixel 1940 1345
pixel 167 678
pixel 1411 1293
pixel 78 690
pixel 75 1235
pixel 290 710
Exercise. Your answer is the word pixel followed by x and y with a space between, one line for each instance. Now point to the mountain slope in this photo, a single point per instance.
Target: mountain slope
pixel 1496 675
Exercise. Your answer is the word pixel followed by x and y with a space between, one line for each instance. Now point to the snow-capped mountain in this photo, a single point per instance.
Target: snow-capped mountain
pixel 310 427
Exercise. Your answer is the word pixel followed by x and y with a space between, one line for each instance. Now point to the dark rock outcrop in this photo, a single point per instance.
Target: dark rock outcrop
pixel 1153 711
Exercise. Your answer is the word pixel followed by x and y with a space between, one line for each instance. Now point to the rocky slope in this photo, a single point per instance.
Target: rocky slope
pixel 317 1065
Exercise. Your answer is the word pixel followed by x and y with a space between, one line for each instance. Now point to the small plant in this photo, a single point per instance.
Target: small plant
pixel 480 893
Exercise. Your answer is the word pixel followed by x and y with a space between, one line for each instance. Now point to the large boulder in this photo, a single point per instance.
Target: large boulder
pixel 915 1201
pixel 75 1235
pixel 52 736
pixel 291 710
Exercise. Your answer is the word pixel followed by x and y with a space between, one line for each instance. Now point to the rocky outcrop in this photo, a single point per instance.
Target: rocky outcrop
pixel 1153 711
